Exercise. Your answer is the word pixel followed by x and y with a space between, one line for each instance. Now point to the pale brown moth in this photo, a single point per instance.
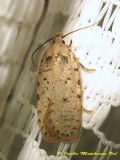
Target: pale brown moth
pixel 59 95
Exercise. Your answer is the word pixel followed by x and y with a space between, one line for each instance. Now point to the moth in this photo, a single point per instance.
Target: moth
pixel 59 95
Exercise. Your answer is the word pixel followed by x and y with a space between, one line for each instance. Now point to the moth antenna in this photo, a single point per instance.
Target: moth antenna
pixel 62 37
pixel 78 29
pixel 38 49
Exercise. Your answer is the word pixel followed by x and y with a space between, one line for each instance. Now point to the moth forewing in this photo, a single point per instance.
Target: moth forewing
pixel 59 94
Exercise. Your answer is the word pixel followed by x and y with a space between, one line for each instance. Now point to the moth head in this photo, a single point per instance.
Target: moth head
pixel 58 37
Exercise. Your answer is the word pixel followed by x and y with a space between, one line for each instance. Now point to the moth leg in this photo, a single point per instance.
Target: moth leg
pixel 84 68
pixel 86 110
pixel 70 43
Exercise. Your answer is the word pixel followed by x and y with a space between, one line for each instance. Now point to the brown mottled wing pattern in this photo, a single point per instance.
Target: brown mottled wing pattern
pixel 59 95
